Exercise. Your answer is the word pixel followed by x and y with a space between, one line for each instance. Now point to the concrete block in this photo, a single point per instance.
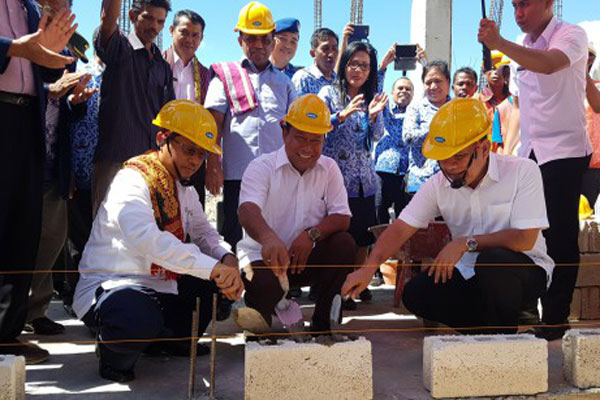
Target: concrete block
pixel 485 365
pixel 589 271
pixel 304 371
pixel 575 313
pixel 590 303
pixel 12 377
pixel 581 357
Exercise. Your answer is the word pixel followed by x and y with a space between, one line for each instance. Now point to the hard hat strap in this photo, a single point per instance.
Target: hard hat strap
pixel 184 182
pixel 460 182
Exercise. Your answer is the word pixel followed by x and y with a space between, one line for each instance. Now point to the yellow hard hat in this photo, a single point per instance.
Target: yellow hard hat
pixel 457 124
pixel 499 59
pixel 310 114
pixel 585 211
pixel 190 120
pixel 255 19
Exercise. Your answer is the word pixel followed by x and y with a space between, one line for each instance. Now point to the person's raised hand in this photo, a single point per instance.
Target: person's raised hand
pixel 377 105
pixel 55 33
pixel 81 93
pixel 421 55
pixel 348 31
pixel 66 82
pixel 356 104
pixel 489 34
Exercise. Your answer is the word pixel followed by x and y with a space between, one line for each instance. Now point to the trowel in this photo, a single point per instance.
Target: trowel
pixel 334 318
pixel 289 312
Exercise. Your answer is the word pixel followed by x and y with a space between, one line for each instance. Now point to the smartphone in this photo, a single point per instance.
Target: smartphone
pixel 406 57
pixel 361 33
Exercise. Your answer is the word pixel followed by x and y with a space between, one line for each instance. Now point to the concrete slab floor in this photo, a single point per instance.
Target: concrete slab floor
pixel 72 370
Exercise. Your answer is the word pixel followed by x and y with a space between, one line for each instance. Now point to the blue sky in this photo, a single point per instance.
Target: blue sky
pixel 389 20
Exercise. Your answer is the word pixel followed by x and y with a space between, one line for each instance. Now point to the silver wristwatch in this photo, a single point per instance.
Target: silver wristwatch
pixel 472 244
pixel 314 234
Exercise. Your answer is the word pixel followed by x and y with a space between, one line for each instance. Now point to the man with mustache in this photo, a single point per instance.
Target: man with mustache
pixel 294 210
pixel 248 99
pixel 551 80
pixel 324 51
pixel 137 83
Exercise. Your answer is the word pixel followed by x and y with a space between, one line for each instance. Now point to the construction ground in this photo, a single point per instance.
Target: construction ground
pixel 396 336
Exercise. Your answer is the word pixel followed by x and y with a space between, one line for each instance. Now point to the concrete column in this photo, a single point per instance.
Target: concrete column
pixel 431 27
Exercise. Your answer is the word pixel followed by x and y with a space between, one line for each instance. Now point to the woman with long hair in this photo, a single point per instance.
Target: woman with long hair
pixel 436 84
pixel 356 109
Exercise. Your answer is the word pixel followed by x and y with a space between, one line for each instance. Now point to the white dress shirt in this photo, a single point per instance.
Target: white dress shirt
pixel 553 122
pixel 290 202
pixel 510 196
pixel 125 241
pixel 183 79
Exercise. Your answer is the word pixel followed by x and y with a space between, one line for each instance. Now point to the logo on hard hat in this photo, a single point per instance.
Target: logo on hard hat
pixel 209 135
pixel 312 115
pixel 257 23
pixel 439 139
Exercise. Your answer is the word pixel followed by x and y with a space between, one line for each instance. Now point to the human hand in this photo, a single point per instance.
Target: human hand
pixel 377 105
pixel 81 93
pixel 355 105
pixel 228 280
pixel 214 174
pixel 66 82
pixel 489 34
pixel 443 265
pixel 348 31
pixel 421 55
pixel 299 251
pixel 388 57
pixel 275 255
pixel 357 281
pixel 30 48
pixel 55 33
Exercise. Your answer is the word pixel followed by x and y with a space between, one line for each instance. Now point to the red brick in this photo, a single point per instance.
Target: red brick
pixel 576 305
pixel 589 271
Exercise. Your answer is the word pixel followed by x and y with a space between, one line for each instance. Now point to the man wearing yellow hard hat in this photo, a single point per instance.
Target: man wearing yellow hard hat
pixel 248 99
pixel 294 210
pixel 152 251
pixel 494 208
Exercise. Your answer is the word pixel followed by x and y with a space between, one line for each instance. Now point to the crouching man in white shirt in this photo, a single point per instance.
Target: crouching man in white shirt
pixel 294 211
pixel 494 208
pixel 152 251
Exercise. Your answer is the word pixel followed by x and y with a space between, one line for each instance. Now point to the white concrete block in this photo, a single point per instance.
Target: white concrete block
pixel 307 371
pixel 12 377
pixel 485 365
pixel 581 357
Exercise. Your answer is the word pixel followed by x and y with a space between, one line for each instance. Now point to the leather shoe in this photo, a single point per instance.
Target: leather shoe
pixel 111 374
pixel 33 353
pixel 44 326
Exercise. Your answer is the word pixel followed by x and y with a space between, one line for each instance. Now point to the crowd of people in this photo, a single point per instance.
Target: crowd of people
pixel 112 161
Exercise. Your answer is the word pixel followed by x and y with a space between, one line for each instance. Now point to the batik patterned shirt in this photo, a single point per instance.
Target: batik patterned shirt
pixel 391 154
pixel 350 144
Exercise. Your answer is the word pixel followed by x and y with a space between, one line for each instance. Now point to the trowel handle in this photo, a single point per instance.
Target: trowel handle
pixel 284 282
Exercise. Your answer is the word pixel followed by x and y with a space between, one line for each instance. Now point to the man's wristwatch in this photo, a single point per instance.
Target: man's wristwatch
pixel 314 234
pixel 472 244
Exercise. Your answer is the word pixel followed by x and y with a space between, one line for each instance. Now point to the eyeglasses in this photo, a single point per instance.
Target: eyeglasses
pixel 191 150
pixel 266 40
pixel 358 66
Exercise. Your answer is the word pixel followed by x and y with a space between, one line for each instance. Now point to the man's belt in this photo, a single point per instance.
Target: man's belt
pixel 22 100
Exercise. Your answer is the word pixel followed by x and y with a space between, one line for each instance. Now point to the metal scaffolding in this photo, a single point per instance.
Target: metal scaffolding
pixel 356 12
pixel 558 8
pixel 318 22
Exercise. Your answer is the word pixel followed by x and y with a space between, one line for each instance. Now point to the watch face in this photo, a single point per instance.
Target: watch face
pixel 471 244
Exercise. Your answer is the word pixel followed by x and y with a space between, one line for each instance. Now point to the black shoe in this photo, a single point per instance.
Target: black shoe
pixel 33 354
pixel 45 326
pixel 365 295
pixel 349 305
pixel 294 293
pixel 549 333
pixel 180 348
pixel 111 374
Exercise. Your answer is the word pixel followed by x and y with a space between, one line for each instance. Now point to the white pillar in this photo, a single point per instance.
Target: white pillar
pixel 431 27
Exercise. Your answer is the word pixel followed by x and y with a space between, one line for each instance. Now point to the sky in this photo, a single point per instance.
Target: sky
pixel 389 22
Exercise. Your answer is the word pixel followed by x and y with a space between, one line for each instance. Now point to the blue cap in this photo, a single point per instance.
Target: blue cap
pixel 287 25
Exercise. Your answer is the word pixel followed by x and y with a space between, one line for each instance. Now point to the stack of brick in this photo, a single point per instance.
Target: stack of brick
pixel 306 371
pixel 581 357
pixel 586 297
pixel 12 377
pixel 485 365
